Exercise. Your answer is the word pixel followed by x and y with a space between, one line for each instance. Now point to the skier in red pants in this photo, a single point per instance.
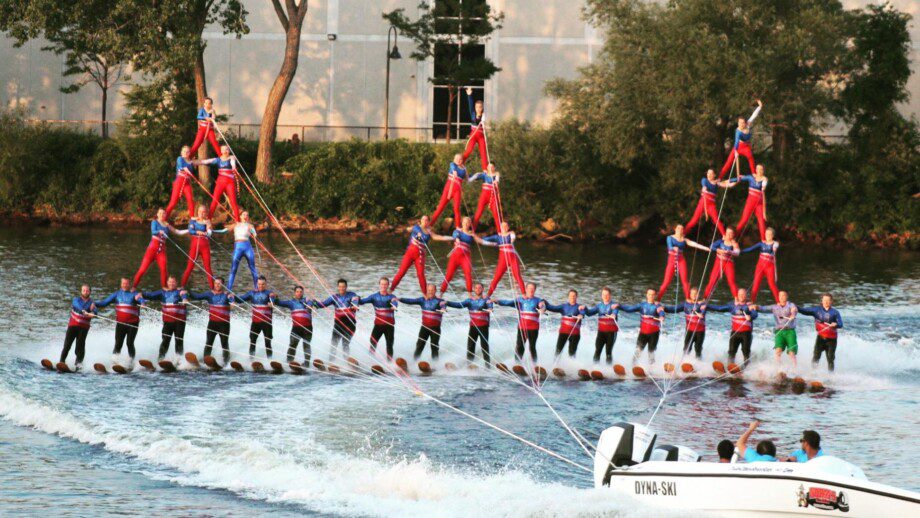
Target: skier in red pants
pixel 507 258
pixel 453 190
pixel 156 250
pixel 766 265
pixel 726 249
pixel 677 243
pixel 226 181
pixel 419 236
pixel 182 185
pixel 463 239
pixel 742 146
pixel 756 201
pixel 477 131
pixel 707 202
pixel 206 127
pixel 488 195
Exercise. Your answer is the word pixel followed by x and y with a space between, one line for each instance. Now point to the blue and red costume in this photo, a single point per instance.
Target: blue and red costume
pixel 200 246
pixel 182 186
pixel 766 267
pixel 301 325
pixel 528 323
pixel 570 327
pixel 460 258
pixel 384 319
pixel 827 322
pixel 743 316
pixel 261 303
pixel 477 135
pixel 344 321
pixel 707 205
pixel 205 130
pixel 650 315
pixel 156 251
pixel 507 258
pixel 127 317
pixel 676 260
pixel 225 184
pixel 695 316
pixel 453 192
pixel 218 319
pixel 742 146
pixel 480 310
pixel 432 314
pixel 487 196
pixel 607 328
pixel 174 313
pixel 78 327
pixel 754 205
pixel 415 254
pixel 724 265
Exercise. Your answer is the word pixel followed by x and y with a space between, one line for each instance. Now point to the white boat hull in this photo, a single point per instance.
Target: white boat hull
pixel 760 489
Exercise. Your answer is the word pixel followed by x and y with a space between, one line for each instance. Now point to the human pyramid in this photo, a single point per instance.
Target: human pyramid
pixel 175 299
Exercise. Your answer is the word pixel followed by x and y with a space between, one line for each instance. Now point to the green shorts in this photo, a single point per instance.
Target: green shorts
pixel 785 340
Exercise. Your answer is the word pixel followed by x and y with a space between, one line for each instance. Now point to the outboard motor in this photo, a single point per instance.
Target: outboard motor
pixel 623 444
pixel 669 453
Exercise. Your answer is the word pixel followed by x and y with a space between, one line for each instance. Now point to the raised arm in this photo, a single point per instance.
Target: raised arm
pixel 741 445
pixel 756 112
pixel 471 103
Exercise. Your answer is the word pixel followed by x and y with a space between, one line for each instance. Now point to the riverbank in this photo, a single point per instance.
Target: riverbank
pixel 634 230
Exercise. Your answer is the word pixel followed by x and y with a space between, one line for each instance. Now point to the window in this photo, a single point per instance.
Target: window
pixel 454 19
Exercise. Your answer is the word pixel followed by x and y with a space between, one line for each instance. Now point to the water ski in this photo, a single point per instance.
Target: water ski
pixel 296 368
pixel 669 367
pixel 192 359
pixel 100 368
pixel 734 369
pixel 501 367
pixel 619 370
pixel 120 369
pixel 519 370
pixel 334 369
pixel 402 364
pixel 47 364
pixel 258 367
pixel 450 366
pixel 353 362
pixel 686 368
pixel 597 375
pixel 212 364
pixel 472 366
pixel 540 373
pixel 780 378
pixel 319 365
pixel 237 366
pixel 425 367
pixel 276 366
pixel 638 372
pixel 718 367
pixel 584 375
pixel 166 365
pixel 816 386
pixel 378 369
pixel 63 368
pixel 558 372
pixel 147 364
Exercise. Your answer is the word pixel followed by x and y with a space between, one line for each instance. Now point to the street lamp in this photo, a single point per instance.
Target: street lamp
pixel 391 54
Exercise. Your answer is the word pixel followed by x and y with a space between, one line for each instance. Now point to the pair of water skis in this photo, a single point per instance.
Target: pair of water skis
pixel 734 372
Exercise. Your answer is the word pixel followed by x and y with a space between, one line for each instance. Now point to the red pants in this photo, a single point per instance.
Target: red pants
pixel 182 186
pixel 453 190
pixel 765 268
pixel 507 260
pixel 459 258
pixel 413 255
pixel 669 275
pixel 226 185
pixel 205 132
pixel 744 149
pixel 709 207
pixel 200 247
pixel 156 250
pixel 477 138
pixel 722 267
pixel 487 197
pixel 754 205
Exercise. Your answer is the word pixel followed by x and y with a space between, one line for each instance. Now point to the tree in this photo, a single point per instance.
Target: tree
pixel 442 34
pixel 291 16
pixel 86 32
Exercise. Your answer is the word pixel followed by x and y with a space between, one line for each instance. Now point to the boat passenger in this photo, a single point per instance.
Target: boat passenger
pixel 726 451
pixel 765 451
pixel 811 447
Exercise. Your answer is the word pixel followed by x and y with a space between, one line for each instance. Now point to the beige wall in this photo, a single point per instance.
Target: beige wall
pixel 341 82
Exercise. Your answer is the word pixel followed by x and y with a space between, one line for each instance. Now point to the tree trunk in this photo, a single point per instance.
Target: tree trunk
pixel 201 91
pixel 105 102
pixel 269 128
pixel 450 110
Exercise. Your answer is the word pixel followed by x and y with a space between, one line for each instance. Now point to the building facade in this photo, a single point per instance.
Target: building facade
pixel 338 91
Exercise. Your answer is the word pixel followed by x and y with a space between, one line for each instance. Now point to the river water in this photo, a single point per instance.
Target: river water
pixel 247 444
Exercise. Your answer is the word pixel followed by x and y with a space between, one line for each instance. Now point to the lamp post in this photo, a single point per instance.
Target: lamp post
pixel 391 54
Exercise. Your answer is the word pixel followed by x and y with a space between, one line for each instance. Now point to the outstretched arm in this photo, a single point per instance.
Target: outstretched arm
pixel 756 111
pixel 741 445
pixel 694 244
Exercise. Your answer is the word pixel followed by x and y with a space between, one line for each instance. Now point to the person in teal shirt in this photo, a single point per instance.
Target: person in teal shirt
pixel 765 451
pixel 811 447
